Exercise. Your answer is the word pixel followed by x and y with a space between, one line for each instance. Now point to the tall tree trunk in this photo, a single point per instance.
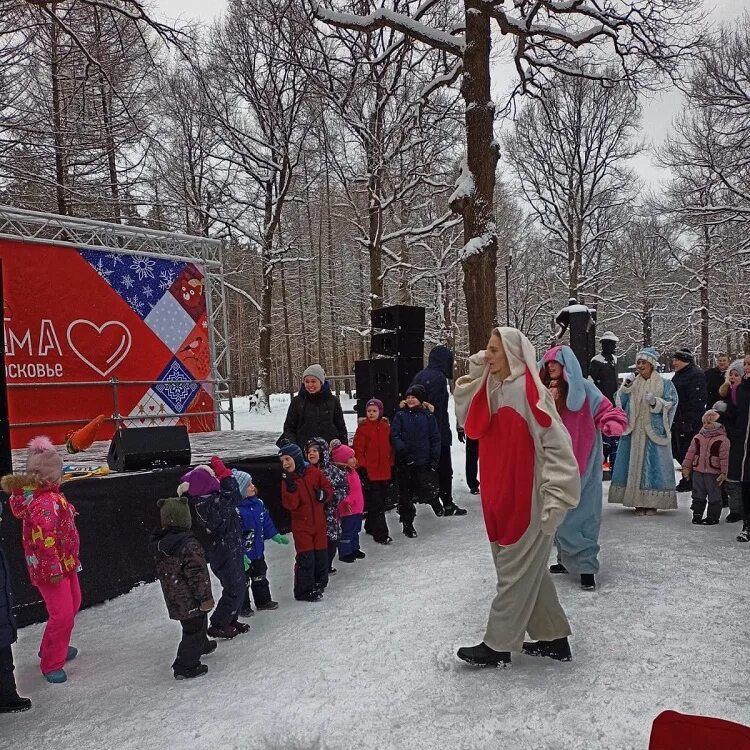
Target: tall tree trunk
pixel 266 304
pixel 648 316
pixel 481 156
pixel 374 203
pixel 287 335
pixel 61 178
pixel 331 275
pixel 705 300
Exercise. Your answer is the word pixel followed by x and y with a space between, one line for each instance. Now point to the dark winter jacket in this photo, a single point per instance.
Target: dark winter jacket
pixel 603 374
pixel 373 449
pixel 216 521
pixel 690 383
pixel 714 378
pixel 305 505
pixel 7 621
pixel 257 526
pixel 434 378
pixel 313 415
pixel 415 437
pixel 182 571
pixel 737 422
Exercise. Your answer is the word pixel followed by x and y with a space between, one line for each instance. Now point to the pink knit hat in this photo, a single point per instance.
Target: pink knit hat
pixel 43 460
pixel 340 453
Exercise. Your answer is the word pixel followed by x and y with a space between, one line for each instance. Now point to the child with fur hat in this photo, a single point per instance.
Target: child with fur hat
pixel 185 583
pixel 257 526
pixel 318 454
pixel 707 460
pixel 416 441
pixel 213 496
pixel 374 452
pixel 304 491
pixel 352 506
pixel 50 544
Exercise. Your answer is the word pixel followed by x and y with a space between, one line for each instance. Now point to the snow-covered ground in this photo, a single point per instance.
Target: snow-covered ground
pixel 373 665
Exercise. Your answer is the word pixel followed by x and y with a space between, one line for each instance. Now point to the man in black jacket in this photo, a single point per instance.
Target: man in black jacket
pixel 690 383
pixel 434 379
pixel 715 376
pixel 603 373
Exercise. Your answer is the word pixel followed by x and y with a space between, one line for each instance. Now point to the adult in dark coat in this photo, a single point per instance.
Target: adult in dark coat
pixel 10 701
pixel 737 420
pixel 690 384
pixel 715 377
pixel 603 374
pixel 434 379
pixel 314 412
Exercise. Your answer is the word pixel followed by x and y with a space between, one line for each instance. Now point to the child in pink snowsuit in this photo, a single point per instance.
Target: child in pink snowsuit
pixel 50 544
pixel 352 506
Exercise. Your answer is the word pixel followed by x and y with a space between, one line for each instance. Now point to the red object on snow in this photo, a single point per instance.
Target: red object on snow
pixel 675 731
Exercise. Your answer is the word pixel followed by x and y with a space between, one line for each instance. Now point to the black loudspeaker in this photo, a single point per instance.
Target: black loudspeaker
pixel 399 318
pixel 386 379
pixel 141 448
pixel 6 460
pixel 397 344
pixel 582 333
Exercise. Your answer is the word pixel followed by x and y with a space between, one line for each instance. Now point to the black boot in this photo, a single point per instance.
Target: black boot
pixel 189 673
pixel 410 531
pixel 558 568
pixel 483 656
pixel 697 520
pixel 14 703
pixel 710 521
pixel 684 485
pixel 744 535
pixel 451 509
pixel 733 518
pixel 437 508
pixel 558 649
pixel 588 582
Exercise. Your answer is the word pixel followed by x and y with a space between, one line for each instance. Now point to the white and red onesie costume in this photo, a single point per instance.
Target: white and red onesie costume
pixel 529 479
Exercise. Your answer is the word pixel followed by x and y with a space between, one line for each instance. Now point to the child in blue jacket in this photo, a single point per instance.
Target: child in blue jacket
pixel 257 526
pixel 416 441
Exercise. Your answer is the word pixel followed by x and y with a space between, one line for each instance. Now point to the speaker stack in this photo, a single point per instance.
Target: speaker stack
pixel 396 356
pixel 140 448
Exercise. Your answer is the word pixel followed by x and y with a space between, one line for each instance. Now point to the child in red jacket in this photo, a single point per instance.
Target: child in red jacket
pixel 304 491
pixel 374 452
pixel 50 544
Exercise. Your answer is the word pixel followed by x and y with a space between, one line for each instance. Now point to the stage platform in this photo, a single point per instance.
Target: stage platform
pixel 117 513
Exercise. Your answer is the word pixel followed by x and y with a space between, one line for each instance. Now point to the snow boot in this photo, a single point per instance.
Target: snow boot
pixel 558 568
pixel 13 703
pixel 744 535
pixel 387 540
pixel 269 605
pixel 72 653
pixel 310 596
pixel 588 582
pixel 223 631
pixel 359 554
pixel 474 491
pixel 210 647
pixel 241 627
pixel 733 518
pixel 348 558
pixel 558 649
pixel 684 485
pixel 189 673
pixel 56 676
pixel 710 521
pixel 437 509
pixel 246 611
pixel 410 531
pixel 697 520
pixel 451 509
pixel 332 571
pixel 483 656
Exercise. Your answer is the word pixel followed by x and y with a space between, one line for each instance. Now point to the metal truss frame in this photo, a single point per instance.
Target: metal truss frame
pixel 35 227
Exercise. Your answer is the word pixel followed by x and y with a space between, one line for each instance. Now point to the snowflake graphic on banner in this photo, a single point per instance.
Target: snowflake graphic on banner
pixel 177 395
pixel 139 279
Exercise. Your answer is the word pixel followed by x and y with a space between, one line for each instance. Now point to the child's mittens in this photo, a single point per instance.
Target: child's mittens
pixel 246 562
pixel 220 468
pixel 649 398
pixel 628 380
pixel 291 485
pixel 208 605
pixel 279 539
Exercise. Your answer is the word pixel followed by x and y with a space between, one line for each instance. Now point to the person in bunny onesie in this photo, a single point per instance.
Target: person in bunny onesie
pixel 530 480
pixel 587 415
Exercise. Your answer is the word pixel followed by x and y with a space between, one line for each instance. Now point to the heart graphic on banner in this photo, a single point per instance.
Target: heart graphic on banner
pixel 102 347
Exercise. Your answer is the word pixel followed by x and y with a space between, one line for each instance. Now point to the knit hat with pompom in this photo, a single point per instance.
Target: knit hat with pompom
pixel 43 461
pixel 340 453
pixel 198 482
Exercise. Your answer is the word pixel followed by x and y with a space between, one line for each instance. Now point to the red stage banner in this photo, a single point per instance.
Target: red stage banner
pixel 90 316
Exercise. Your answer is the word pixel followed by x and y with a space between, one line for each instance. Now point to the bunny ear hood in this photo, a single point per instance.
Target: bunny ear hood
pixel 572 374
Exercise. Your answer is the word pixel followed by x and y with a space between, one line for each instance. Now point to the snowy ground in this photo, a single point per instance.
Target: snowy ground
pixel 373 665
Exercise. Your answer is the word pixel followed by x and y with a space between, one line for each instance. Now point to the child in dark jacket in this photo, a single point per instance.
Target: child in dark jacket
pixel 352 506
pixel 257 526
pixel 304 490
pixel 10 700
pixel 185 583
pixel 213 495
pixel 374 452
pixel 416 441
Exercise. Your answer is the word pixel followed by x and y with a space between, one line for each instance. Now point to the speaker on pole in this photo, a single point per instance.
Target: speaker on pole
pixel 399 318
pixel 140 448
pixel 6 459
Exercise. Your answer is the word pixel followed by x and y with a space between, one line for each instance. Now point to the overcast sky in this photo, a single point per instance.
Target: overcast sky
pixel 658 111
